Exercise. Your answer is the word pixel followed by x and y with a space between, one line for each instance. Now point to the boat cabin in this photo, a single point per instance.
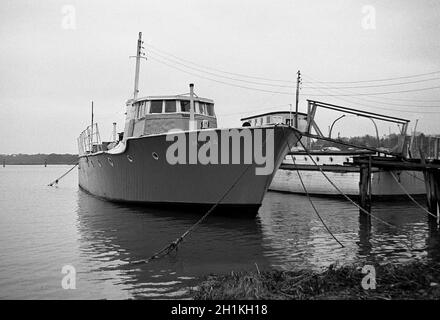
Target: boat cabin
pixel 276 117
pixel 159 114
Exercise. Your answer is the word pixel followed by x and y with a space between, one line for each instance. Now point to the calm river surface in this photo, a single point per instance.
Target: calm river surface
pixel 45 228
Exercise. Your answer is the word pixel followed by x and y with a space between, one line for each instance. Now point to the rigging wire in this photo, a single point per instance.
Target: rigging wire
pixel 374 86
pixel 381 80
pixel 378 93
pixel 352 100
pixel 283 80
pixel 374 101
pixel 170 63
pixel 222 71
pixel 220 81
pixel 222 76
pixel 175 61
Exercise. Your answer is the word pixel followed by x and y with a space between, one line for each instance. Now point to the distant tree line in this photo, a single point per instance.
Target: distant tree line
pixel 430 145
pixel 41 158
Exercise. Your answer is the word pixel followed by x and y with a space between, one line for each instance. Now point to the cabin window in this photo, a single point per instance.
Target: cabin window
pixel 185 106
pixel 138 110
pixel 201 108
pixel 268 119
pixel 261 121
pixel 210 109
pixel 288 122
pixel 156 106
pixel 170 105
pixel 141 109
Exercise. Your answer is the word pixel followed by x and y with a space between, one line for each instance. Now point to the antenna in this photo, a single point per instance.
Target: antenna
pixel 138 60
pixel 298 81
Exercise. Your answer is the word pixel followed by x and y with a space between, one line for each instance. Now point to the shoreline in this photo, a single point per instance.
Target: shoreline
pixel 410 281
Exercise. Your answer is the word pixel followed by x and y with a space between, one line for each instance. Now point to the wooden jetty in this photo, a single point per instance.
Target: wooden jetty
pixel 395 160
pixel 430 169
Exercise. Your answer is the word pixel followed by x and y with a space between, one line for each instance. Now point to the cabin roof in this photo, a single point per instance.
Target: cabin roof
pixel 177 97
pixel 270 113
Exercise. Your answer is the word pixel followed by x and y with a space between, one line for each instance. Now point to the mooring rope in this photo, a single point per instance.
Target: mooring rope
pixel 57 180
pixel 313 205
pixel 174 245
pixel 409 196
pixel 342 193
pixel 408 245
pixel 310 199
pixel 414 176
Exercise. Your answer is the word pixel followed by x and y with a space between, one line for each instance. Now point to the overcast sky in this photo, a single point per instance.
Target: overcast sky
pixel 56 56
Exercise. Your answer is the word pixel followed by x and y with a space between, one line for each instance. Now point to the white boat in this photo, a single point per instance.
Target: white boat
pixel 337 165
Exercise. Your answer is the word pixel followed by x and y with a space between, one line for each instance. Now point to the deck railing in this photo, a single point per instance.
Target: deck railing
pixel 89 140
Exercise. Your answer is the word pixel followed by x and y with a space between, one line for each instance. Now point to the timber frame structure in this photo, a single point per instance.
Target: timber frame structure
pixel 313 105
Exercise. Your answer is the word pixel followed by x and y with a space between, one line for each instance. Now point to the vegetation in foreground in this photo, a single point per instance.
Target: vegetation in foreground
pixel 417 280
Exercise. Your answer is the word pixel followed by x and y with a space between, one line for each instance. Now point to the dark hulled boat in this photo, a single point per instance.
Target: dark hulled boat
pixel 172 153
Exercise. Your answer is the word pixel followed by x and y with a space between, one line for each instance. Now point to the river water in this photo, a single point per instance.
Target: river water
pixel 43 229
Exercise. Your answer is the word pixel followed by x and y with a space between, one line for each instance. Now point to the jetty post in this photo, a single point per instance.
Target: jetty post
pixel 4 163
pixel 365 186
pixel 432 184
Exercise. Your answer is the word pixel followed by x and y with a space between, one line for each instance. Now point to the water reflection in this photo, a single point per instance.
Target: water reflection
pixel 112 237
pixel 286 234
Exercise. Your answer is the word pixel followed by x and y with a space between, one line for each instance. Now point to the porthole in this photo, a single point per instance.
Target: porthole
pixel 317 159
pixel 347 159
pixel 130 158
pixel 110 161
pixel 305 158
pixel 331 159
pixel 155 156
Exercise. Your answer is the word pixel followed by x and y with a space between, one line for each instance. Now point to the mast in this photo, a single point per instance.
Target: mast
pixel 298 81
pixel 138 60
pixel 91 132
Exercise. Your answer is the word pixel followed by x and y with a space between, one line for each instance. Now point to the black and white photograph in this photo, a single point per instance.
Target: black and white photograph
pixel 220 155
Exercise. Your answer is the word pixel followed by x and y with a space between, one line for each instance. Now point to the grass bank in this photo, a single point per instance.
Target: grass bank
pixel 417 280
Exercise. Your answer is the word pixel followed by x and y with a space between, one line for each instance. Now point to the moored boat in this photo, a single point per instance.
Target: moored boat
pixel 337 165
pixel 172 153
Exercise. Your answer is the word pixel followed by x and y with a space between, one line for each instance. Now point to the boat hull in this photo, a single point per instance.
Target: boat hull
pixel 346 177
pixel 142 174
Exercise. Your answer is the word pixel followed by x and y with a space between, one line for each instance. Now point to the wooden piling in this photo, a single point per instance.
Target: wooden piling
pixel 365 187
pixel 4 163
pixel 432 184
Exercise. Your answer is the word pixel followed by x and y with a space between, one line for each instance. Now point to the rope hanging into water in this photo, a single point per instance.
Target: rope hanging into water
pixel 410 197
pixel 174 245
pixel 65 174
pixel 342 193
pixel 409 246
pixel 313 205
pixel 310 199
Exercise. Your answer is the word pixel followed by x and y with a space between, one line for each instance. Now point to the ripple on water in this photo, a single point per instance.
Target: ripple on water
pixel 42 229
